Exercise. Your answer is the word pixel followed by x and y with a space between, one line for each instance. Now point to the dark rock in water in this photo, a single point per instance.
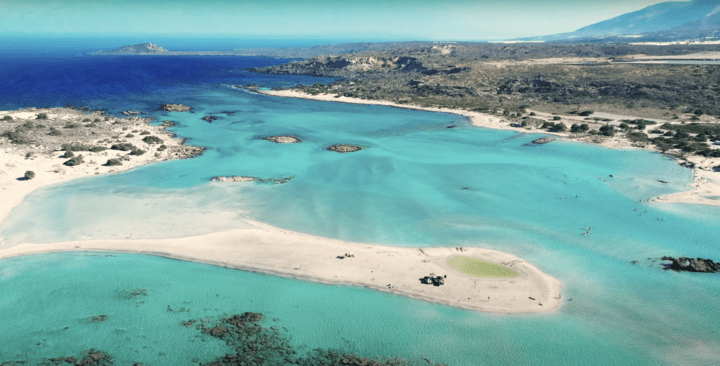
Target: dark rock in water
pixel 662 181
pixel 344 148
pixel 234 178
pixel 688 164
pixel 209 119
pixel 95 358
pixel 285 139
pixel 132 113
pixel 99 318
pixel 168 123
pixel 541 141
pixel 174 108
pixel 684 264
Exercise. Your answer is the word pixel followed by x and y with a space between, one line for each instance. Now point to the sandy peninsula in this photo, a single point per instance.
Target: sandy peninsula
pixel 267 249
pixel 705 189
pixel 398 270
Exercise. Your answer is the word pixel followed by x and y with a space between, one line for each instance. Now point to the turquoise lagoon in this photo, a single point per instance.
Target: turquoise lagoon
pixel 423 179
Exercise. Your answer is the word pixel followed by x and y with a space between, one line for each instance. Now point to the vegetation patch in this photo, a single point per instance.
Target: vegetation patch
pixel 480 268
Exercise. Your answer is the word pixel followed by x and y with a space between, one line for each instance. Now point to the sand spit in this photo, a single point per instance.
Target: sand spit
pixel 398 270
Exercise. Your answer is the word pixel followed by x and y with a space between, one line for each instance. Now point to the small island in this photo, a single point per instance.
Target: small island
pixel 285 139
pixel 342 148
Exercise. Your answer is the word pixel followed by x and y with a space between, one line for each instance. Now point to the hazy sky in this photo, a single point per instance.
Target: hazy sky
pixel 389 19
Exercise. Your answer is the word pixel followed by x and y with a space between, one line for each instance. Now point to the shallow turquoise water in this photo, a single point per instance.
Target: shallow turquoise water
pixel 416 183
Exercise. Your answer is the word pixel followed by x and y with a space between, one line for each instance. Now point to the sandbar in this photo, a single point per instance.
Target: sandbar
pixel 266 249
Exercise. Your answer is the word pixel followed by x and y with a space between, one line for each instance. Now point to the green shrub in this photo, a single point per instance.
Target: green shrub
pixel 73 125
pixel 75 161
pixel 68 154
pixel 28 125
pixel 129 135
pixel 123 147
pixel 152 140
pixel 607 130
pixel 17 137
pixel 585 113
pixel 87 120
pixel 54 132
pixel 144 133
pixel 41 116
pixel 556 118
pixel 75 147
pixel 137 152
pixel 7 118
pixel 29 175
pixel 161 148
pixel 97 149
pixel 113 162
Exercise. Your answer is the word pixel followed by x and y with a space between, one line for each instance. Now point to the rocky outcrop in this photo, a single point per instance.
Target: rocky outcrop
pixel 209 119
pixel 168 123
pixel 132 113
pixel 684 264
pixel 174 108
pixel 344 148
pixel 541 141
pixel 186 151
pixel 234 178
pixel 284 139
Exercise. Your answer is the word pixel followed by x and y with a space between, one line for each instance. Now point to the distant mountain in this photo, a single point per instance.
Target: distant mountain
pixel 678 17
pixel 654 18
pixel 139 49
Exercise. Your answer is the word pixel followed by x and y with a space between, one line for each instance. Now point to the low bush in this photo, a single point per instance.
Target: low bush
pixel 161 148
pixel 585 113
pixel 144 133
pixel 7 118
pixel 152 140
pixel 97 149
pixel 123 147
pixel 17 137
pixel 41 116
pixel 29 175
pixel 54 132
pixel 75 161
pixel 68 154
pixel 137 152
pixel 113 162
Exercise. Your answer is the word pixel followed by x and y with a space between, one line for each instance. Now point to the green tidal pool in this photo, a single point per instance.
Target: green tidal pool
pixel 480 268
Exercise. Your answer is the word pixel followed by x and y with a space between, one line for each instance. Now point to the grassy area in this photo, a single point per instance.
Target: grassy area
pixel 480 268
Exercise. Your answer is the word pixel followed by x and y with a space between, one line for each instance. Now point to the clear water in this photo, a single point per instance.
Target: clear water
pixel 417 183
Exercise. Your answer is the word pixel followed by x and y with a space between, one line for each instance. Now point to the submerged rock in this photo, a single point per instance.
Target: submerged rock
pixel 209 119
pixel 174 108
pixel 168 123
pixel 684 264
pixel 284 139
pixel 234 178
pixel 541 141
pixel 344 148
pixel 99 318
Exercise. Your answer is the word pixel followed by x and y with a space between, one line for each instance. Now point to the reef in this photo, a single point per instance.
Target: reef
pixel 234 178
pixel 684 264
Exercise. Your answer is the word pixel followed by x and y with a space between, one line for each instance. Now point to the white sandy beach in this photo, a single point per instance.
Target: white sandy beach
pixel 267 249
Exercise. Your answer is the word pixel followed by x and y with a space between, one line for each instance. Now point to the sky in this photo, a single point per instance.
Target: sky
pixel 441 20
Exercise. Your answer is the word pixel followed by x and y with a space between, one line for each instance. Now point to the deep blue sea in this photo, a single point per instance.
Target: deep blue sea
pixel 416 183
